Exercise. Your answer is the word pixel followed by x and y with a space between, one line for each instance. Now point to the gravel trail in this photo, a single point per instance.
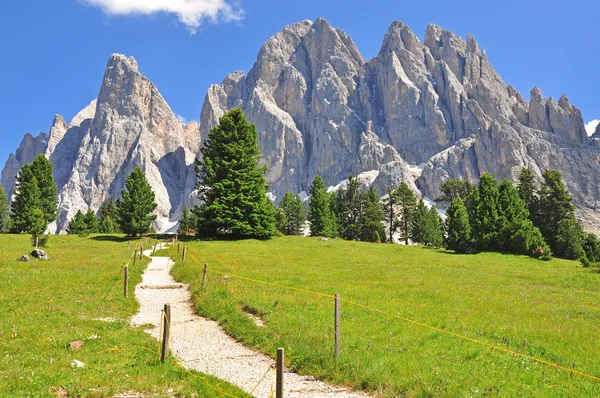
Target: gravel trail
pixel 201 344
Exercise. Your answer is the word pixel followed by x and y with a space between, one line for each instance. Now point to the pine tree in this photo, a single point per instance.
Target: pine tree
pixel 435 228
pixel 568 241
pixel 77 224
pixel 454 188
pixel 91 222
pixel 231 184
pixel 4 211
pixel 108 217
pixel 389 209
pixel 484 220
pixel 38 224
pixel 591 247
pixel 134 210
pixel 458 228
pixel 186 222
pixel 554 207
pixel 43 171
pixel 320 215
pixel 350 201
pixel 419 223
pixel 371 226
pixel 294 214
pixel 407 203
pixel 528 193
pixel 26 200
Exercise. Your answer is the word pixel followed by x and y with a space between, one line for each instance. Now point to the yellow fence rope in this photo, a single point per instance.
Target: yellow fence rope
pixel 424 325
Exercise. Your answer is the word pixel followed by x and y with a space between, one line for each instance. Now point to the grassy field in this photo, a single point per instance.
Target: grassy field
pixel 549 310
pixel 48 304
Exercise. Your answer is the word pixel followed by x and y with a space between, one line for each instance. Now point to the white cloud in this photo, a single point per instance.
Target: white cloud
pixel 192 13
pixel 590 127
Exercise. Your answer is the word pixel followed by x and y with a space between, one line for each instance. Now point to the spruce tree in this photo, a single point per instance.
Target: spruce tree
pixel 591 247
pixel 389 209
pixel 419 223
pixel 407 203
pixel 458 228
pixel 77 224
pixel 454 188
pixel 528 193
pixel 43 171
pixel 134 210
pixel 350 203
pixel 231 183
pixel 26 200
pixel 568 240
pixel 371 226
pixel 108 217
pixel 186 222
pixel 320 215
pixel 91 222
pixel 4 211
pixel 294 215
pixel 554 207
pixel 484 218
pixel 435 228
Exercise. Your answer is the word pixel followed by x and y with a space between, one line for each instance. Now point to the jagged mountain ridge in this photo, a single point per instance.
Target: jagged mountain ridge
pixel 321 108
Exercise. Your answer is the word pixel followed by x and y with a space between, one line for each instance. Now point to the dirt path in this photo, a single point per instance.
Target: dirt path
pixel 202 345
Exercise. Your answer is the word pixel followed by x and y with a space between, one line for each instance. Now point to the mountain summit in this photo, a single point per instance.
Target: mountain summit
pixel 419 111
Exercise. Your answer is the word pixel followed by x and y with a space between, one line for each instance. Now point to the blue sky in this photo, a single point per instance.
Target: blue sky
pixel 53 53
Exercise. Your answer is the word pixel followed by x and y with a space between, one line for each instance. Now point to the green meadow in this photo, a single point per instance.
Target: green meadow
pixel 547 310
pixel 48 304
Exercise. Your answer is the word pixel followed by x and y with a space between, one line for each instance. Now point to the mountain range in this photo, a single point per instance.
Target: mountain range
pixel 419 111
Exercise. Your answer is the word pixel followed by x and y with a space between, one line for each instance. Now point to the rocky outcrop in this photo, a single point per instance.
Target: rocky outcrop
pixel 29 148
pixel 321 109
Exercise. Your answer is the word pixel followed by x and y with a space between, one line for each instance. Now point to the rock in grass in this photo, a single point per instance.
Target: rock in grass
pixel 324 240
pixel 77 364
pixel 76 345
pixel 25 258
pixel 39 253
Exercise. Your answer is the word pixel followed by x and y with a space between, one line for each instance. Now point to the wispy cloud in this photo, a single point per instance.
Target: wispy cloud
pixel 182 119
pixel 192 13
pixel 590 127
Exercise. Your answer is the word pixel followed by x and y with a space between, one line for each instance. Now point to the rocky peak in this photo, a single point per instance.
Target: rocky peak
pixel 86 113
pixel 57 132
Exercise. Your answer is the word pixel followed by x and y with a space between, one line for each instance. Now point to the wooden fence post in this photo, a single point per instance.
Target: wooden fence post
pixel 204 276
pixel 141 252
pixel 134 256
pixel 126 282
pixel 177 247
pixel 337 327
pixel 183 255
pixel 279 377
pixel 166 332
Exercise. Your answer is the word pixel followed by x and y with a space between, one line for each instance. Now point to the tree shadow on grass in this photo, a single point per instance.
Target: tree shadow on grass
pixel 112 238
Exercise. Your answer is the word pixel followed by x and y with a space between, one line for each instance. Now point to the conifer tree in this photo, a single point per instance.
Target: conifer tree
pixel 591 247
pixel 108 217
pixel 454 188
pixel 91 222
pixel 389 209
pixel 26 200
pixel 43 171
pixel 320 215
pixel 371 226
pixel 407 203
pixel 350 201
pixel 4 211
pixel 134 210
pixel 186 222
pixel 231 183
pixel 435 228
pixel 77 224
pixel 419 223
pixel 484 218
pixel 554 207
pixel 458 228
pixel 568 241
pixel 527 190
pixel 294 214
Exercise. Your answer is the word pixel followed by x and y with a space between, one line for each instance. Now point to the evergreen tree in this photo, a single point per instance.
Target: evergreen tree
pixel 407 203
pixel 4 211
pixel 371 226
pixel 455 188
pixel 568 241
pixel 591 247
pixel 108 217
pixel 458 228
pixel 419 223
pixel 26 200
pixel 294 214
pixel 435 228
pixel 231 184
pixel 389 209
pixel 77 224
pixel 554 207
pixel 134 210
pixel 91 222
pixel 320 215
pixel 484 217
pixel 528 193
pixel 186 222
pixel 349 210
pixel 43 171
pixel 38 224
